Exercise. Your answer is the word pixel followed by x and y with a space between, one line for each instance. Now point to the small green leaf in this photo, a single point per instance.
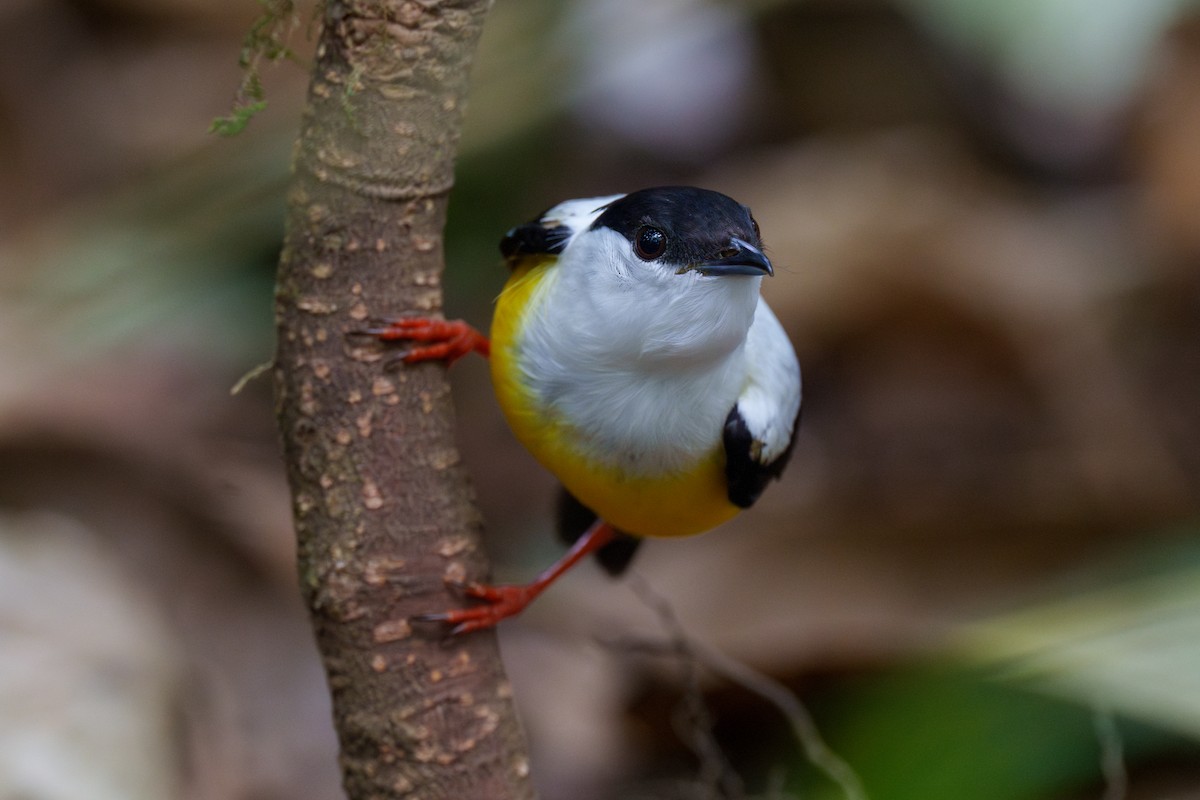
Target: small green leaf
pixel 267 39
pixel 236 121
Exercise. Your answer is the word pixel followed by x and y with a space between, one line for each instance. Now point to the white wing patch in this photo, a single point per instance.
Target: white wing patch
pixel 771 400
pixel 760 428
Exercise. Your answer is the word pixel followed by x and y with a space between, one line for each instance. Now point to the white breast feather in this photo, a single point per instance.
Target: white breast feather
pixel 646 367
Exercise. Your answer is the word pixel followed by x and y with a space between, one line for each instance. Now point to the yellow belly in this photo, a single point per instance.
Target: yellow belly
pixel 683 503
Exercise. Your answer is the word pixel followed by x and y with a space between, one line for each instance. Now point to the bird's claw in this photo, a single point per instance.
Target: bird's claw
pixel 439 339
pixel 499 602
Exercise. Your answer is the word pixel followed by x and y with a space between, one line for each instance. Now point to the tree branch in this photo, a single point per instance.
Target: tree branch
pixel 383 510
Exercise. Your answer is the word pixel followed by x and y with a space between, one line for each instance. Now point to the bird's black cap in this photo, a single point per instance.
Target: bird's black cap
pixel 699 223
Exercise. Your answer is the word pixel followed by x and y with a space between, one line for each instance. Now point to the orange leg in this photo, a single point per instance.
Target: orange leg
pixel 450 340
pixel 510 600
pixel 439 339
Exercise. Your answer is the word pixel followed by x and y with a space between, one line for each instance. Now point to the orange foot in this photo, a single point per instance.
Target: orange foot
pixel 439 339
pixel 507 601
pixel 501 602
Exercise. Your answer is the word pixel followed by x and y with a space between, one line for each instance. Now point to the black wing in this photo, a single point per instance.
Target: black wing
pixel 745 473
pixel 534 238
pixel 574 518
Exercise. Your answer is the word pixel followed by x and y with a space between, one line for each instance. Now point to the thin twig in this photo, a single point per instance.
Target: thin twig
pixel 696 727
pixel 801 722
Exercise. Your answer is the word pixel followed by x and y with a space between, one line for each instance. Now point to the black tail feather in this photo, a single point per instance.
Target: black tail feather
pixel 574 518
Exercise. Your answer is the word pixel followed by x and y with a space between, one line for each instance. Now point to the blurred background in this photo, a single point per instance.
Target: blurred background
pixel 981 572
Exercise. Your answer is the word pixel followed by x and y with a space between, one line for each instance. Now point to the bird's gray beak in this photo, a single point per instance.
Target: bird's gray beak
pixel 743 258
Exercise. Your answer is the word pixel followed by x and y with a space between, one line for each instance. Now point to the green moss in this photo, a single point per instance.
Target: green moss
pixel 267 40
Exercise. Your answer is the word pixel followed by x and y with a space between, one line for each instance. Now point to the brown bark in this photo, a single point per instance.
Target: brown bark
pixel 382 507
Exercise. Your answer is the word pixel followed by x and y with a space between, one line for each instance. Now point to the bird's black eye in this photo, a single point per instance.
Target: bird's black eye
pixel 649 242
pixel 757 232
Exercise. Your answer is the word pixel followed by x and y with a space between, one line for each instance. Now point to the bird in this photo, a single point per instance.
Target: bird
pixel 633 356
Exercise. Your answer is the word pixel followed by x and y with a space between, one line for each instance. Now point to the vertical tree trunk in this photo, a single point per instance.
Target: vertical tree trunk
pixel 382 508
